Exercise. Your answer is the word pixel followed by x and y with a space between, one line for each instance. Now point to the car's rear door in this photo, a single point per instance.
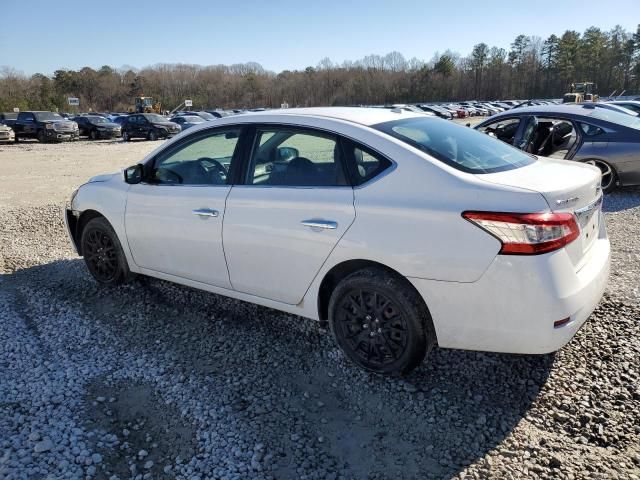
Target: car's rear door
pixel 294 206
pixel 174 219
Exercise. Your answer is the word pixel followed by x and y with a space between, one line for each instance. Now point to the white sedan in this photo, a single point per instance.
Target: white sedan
pixel 403 231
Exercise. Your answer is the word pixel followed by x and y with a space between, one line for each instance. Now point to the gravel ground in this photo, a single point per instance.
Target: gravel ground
pixel 154 380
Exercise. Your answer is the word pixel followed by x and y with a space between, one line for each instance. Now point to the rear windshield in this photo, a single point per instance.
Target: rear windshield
pixel 631 121
pixel 460 147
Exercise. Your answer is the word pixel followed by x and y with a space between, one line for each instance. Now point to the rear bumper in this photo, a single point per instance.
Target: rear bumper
pixel 513 307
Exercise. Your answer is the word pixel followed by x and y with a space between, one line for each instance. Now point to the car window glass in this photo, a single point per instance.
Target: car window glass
pixel 368 164
pixel 296 158
pixel 459 147
pixel 202 161
pixel 590 130
pixel 553 137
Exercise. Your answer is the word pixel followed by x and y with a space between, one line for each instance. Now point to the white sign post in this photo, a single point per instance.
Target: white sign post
pixel 188 103
pixel 73 101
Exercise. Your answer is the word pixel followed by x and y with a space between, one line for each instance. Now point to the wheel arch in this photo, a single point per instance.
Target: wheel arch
pixel 342 270
pixel 83 219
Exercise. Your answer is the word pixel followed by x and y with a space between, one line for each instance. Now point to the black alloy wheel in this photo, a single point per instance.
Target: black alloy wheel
pixel 380 322
pixel 103 253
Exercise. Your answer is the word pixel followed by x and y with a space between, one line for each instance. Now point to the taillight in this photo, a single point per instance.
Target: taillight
pixel 527 233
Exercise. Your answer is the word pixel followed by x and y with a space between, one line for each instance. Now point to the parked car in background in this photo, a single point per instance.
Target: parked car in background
pixel 8 118
pixel 187 121
pixel 205 115
pixel 45 127
pixel 96 127
pixel 633 105
pixel 148 125
pixel 581 132
pixel 120 119
pixel 615 107
pixel 6 133
pixel 400 243
pixel 439 111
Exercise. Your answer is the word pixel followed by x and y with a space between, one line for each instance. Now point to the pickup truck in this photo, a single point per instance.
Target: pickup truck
pixel 45 127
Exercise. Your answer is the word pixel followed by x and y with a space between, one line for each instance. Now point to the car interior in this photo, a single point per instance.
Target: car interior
pixel 297 159
pixel 552 138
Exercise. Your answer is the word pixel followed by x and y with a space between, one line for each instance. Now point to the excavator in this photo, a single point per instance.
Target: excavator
pixel 581 92
pixel 145 105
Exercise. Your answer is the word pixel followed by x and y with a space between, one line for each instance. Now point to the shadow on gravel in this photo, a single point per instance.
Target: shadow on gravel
pixel 277 382
pixel 622 199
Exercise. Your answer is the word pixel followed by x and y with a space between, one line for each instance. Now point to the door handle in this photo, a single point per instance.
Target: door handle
pixel 205 212
pixel 315 223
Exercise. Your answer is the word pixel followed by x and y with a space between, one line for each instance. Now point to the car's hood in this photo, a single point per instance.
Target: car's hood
pixel 566 185
pixel 4 127
pixel 166 124
pixel 107 125
pixel 103 178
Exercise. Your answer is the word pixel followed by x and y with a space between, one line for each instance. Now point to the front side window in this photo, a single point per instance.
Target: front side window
pixel 459 147
pixel 291 157
pixel 203 160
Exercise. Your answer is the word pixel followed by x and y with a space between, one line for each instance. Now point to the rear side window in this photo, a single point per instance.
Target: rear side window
pixel 367 163
pixel 285 156
pixel 459 147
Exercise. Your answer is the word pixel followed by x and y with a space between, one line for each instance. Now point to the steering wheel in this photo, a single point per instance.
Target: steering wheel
pixel 216 167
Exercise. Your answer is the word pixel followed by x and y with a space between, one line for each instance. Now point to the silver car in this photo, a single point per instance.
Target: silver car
pixel 584 133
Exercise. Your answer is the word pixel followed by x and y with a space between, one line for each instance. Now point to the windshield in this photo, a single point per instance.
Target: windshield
pixel 206 115
pixel 96 119
pixel 47 116
pixel 193 119
pixel 460 147
pixel 612 116
pixel 156 118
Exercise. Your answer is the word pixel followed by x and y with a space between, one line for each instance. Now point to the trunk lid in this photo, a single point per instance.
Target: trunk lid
pixel 567 187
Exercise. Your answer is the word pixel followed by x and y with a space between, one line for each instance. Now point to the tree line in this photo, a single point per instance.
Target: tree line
pixel 530 68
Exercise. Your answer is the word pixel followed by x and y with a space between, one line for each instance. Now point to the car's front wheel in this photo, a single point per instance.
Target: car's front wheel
pixel 609 180
pixel 103 253
pixel 125 136
pixel 153 135
pixel 93 134
pixel 380 322
pixel 41 136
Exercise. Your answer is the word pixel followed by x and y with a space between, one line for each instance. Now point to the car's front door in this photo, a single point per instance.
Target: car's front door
pixel 174 218
pixel 294 206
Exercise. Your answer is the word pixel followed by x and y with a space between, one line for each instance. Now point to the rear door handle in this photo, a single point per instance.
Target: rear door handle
pixel 205 212
pixel 316 223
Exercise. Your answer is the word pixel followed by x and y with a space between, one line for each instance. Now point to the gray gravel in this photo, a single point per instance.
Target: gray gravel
pixel 154 380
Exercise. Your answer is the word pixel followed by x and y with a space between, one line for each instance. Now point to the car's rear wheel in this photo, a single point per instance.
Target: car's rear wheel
pixel 380 322
pixel 609 175
pixel 41 136
pixel 103 253
pixel 125 136
pixel 153 135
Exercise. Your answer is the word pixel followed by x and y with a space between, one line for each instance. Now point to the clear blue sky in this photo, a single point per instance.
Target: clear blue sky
pixel 44 35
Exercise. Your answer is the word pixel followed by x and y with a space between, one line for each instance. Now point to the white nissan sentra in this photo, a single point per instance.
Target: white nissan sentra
pixel 402 231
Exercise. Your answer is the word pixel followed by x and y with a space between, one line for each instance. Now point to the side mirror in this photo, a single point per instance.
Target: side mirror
pixel 133 175
pixel 284 154
pixel 468 124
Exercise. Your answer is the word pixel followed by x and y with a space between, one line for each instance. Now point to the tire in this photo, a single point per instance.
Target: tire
pixel 125 136
pixel 391 346
pixel 41 136
pixel 93 135
pixel 103 253
pixel 153 135
pixel 609 175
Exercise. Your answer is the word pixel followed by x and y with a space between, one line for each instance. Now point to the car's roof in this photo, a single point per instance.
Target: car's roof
pixel 583 110
pixel 361 115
